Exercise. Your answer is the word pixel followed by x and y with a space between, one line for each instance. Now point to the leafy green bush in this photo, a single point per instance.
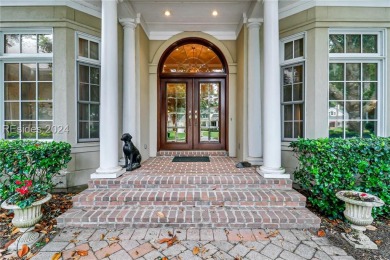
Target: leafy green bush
pixel 330 165
pixel 27 169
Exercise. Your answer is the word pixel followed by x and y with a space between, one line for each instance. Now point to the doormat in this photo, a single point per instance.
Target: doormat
pixel 191 159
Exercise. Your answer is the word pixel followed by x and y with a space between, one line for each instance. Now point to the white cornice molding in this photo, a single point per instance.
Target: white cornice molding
pixel 307 4
pixel 78 5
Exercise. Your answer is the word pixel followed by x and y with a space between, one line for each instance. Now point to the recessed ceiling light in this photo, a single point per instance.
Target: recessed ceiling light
pixel 215 13
pixel 167 13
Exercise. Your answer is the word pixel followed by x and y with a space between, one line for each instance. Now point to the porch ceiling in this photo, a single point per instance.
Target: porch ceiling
pixel 193 15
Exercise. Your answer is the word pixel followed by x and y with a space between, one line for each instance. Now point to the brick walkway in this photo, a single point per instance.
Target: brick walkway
pixel 214 195
pixel 219 244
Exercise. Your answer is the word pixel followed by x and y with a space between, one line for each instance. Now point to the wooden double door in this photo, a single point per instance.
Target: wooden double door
pixel 192 114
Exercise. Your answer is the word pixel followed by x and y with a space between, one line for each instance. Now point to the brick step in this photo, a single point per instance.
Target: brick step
pixel 179 180
pixel 189 197
pixel 193 153
pixel 186 217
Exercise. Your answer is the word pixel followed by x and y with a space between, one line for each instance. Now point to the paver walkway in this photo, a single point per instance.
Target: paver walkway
pixel 220 244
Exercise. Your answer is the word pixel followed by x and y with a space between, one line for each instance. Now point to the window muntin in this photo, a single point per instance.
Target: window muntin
pixel 28 103
pixel 27 43
pixel 353 99
pixel 88 88
pixel 293 101
pixel 353 43
pixel 293 86
pixel 192 58
pixel 293 49
pixel 355 103
pixel 26 86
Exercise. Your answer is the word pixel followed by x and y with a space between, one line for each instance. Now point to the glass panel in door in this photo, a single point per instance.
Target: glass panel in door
pixel 176 105
pixel 209 112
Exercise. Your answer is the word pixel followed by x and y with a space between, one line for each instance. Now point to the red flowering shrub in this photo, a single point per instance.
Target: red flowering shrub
pixel 27 169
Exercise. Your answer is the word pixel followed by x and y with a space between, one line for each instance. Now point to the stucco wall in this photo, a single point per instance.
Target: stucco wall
pixel 241 93
pixel 142 72
pixel 66 22
pixel 316 23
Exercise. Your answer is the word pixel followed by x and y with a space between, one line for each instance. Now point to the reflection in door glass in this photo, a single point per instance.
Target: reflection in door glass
pixel 209 112
pixel 176 112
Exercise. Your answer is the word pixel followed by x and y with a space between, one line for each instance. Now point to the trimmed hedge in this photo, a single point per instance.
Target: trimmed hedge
pixel 327 166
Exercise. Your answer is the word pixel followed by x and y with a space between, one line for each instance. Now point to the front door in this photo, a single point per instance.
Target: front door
pixel 192 114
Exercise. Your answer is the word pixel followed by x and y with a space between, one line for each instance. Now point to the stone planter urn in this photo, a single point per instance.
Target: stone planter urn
pixel 25 219
pixel 358 209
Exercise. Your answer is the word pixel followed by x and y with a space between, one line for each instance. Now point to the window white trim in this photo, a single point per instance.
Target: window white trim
pixel 379 58
pixel 285 40
pixel 23 58
pixel 291 62
pixel 90 63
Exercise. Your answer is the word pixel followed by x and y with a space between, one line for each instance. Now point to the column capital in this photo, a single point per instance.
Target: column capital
pixel 254 23
pixel 128 23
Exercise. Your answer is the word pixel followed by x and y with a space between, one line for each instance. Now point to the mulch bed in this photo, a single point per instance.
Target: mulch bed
pixel 59 203
pixel 381 236
pixel 333 229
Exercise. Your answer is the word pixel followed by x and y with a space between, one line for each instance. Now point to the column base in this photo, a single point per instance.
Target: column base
pixel 111 173
pixel 272 173
pixel 122 161
pixel 255 160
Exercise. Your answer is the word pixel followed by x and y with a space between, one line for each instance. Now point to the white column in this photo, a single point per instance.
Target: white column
pixel 254 93
pixel 129 82
pixel 272 126
pixel 109 138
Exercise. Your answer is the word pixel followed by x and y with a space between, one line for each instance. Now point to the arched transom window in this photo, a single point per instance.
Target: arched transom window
pixel 193 58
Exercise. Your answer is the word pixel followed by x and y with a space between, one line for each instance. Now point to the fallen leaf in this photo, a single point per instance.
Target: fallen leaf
pixel 107 255
pixel 170 233
pixel 77 257
pixel 114 239
pixel 160 214
pixel 47 240
pixel 23 251
pixel 102 237
pixel 178 231
pixel 227 231
pixel 74 241
pixel 56 256
pixel 136 253
pixel 378 242
pixel 195 251
pixel 16 230
pixel 172 241
pixel 371 227
pixel 164 240
pixel 321 233
pixel 272 234
pixel 164 258
pixel 240 236
pixel 82 252
pixel 238 258
pixel 3 215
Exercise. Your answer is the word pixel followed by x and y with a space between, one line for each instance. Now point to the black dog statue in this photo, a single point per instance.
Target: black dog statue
pixel 132 155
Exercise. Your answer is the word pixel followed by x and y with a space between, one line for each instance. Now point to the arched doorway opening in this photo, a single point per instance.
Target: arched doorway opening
pixel 192 97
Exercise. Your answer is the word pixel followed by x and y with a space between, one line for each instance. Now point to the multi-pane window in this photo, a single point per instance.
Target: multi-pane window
pixel 27 43
pixel 27 85
pixel 292 101
pixel 353 43
pixel 88 88
pixel 293 86
pixel 354 84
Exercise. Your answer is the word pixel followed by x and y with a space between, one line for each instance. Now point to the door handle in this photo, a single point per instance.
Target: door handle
pixel 196 117
pixel 189 117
